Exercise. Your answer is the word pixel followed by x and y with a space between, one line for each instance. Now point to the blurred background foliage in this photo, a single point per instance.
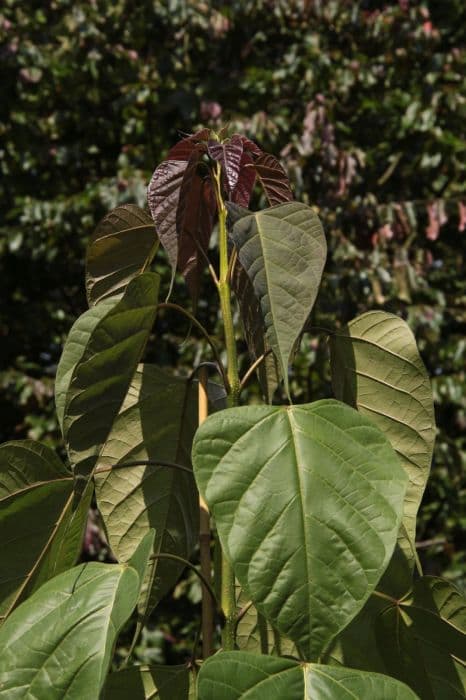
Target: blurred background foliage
pixel 365 104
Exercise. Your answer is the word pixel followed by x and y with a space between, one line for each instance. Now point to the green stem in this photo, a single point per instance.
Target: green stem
pixel 228 597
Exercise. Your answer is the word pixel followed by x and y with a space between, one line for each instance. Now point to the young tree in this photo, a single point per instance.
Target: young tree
pixel 311 508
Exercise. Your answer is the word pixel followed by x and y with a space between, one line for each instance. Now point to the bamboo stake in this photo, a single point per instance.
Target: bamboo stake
pixel 204 536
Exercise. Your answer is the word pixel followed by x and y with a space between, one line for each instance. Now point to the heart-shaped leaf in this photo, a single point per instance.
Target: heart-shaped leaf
pixel 376 367
pixel 307 501
pixel 36 497
pixel 422 639
pixel 149 682
pixel 273 179
pixel 59 643
pixel 134 499
pixel 101 378
pixel 122 247
pixel 283 251
pixel 228 153
pixel 236 675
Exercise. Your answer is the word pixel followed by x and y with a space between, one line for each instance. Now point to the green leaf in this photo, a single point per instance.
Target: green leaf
pixel 74 349
pixel 376 367
pixel 134 499
pixel 336 682
pixel 149 682
pixel 122 247
pixel 423 639
pixel 254 332
pixel 235 675
pixel 102 376
pixel 36 495
pixel 307 501
pixel 283 251
pixel 59 643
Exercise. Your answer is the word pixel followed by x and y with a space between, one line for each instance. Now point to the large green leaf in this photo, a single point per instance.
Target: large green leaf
pixel 101 378
pixel 283 251
pixel 59 643
pixel 307 501
pixel 36 500
pixel 236 675
pixel 376 367
pixel 74 349
pixel 422 639
pixel 149 683
pixel 157 421
pixel 121 247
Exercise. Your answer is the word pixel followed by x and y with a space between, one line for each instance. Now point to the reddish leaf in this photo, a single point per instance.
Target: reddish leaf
pixel 273 179
pixel 194 223
pixel 184 148
pixel 228 154
pixel 247 177
pixel 250 146
pixel 163 195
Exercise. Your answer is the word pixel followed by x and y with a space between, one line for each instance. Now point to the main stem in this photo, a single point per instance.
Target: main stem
pixel 228 597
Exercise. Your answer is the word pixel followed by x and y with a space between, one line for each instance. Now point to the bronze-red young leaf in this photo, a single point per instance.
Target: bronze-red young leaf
pixel 163 195
pixel 273 179
pixel 228 154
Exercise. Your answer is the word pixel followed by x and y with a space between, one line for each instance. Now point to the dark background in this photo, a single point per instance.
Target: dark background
pixel 365 104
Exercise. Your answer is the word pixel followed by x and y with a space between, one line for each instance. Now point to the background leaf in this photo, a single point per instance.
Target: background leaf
pixel 376 367
pixel 148 683
pixel 101 378
pixel 157 420
pixel 283 251
pixel 59 643
pixel 423 639
pixel 121 247
pixel 273 179
pixel 307 501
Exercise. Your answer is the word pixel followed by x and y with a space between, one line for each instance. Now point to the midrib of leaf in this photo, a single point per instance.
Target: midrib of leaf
pixel 294 429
